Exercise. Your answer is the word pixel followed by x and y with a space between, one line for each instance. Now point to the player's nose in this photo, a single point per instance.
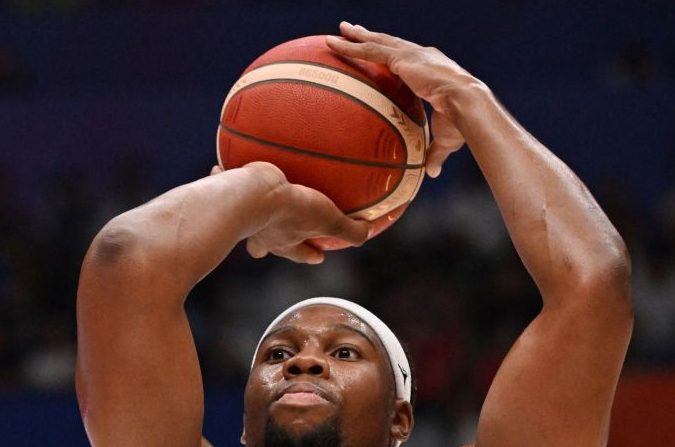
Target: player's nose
pixel 307 363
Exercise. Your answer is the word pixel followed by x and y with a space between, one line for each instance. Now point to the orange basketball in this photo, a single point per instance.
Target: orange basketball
pixel 346 127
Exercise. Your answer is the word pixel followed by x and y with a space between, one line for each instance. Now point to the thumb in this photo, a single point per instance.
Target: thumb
pixel 255 249
pixel 437 154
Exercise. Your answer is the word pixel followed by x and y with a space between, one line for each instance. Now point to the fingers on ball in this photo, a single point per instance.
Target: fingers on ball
pixel 302 254
pixel 356 232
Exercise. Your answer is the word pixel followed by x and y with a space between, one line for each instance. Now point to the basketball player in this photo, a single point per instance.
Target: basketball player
pixel 328 373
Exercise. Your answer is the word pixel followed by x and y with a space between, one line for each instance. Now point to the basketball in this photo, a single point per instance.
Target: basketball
pixel 346 127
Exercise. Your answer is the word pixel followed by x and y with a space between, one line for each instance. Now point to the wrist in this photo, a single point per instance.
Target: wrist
pixel 465 101
pixel 270 189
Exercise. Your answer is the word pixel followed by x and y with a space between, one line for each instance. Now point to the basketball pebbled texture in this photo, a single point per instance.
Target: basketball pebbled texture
pixel 348 128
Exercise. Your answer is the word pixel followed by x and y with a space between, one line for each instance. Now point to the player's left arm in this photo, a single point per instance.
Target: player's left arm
pixel 556 386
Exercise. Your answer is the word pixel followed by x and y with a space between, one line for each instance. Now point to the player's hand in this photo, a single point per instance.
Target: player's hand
pixel 305 214
pixel 299 214
pixel 428 72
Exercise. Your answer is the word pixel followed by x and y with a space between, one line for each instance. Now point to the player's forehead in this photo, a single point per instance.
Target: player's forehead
pixel 324 319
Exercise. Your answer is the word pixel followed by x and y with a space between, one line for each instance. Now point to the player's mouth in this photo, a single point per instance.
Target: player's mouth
pixel 302 394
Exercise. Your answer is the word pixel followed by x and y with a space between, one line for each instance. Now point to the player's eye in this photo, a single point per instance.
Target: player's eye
pixel 345 353
pixel 279 355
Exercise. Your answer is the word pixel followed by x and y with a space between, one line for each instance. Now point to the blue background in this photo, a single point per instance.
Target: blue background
pixel 93 88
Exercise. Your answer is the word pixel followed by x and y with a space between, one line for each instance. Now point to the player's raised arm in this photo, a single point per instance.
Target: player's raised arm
pixel 556 386
pixel 138 377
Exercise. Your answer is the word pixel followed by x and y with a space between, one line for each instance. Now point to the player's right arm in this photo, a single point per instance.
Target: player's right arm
pixel 138 378
pixel 556 385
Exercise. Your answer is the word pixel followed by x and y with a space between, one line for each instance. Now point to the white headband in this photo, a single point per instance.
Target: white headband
pixel 397 358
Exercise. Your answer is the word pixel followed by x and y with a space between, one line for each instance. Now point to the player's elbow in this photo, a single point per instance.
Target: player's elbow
pixel 115 265
pixel 126 253
pixel 596 281
pixel 120 252
pixel 613 273
pixel 606 281
pixel 116 243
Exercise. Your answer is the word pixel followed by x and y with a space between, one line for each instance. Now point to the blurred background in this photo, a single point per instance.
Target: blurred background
pixel 105 104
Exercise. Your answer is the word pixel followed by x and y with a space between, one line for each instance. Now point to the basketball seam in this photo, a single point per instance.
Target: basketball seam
pixel 339 92
pixel 377 164
pixel 319 155
pixel 403 191
pixel 346 73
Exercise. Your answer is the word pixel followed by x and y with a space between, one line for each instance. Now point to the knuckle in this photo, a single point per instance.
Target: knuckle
pixel 400 43
pixel 369 48
pixel 394 64
pixel 362 239
pixel 335 228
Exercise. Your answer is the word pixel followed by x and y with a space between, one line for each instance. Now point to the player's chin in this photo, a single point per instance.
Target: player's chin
pixel 297 420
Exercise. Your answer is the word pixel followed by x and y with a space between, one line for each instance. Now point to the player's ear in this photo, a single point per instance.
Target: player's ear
pixel 403 420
